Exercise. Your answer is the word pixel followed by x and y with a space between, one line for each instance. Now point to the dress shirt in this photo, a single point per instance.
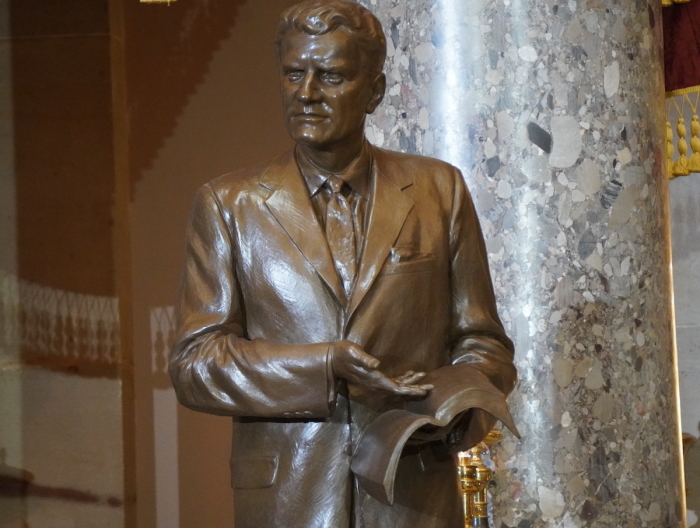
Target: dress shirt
pixel 358 177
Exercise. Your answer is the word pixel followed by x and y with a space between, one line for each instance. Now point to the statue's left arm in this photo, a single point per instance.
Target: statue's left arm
pixel 476 336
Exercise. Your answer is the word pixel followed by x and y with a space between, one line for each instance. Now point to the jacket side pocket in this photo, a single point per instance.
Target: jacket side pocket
pixel 253 472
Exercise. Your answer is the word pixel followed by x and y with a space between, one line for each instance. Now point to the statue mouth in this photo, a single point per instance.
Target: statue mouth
pixel 310 117
pixel 308 111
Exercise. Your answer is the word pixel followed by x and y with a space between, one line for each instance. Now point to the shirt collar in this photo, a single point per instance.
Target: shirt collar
pixel 356 175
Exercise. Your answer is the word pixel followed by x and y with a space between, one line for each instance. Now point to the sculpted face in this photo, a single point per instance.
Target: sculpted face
pixel 326 90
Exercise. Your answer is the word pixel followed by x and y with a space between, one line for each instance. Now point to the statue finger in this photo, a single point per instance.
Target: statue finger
pixel 410 378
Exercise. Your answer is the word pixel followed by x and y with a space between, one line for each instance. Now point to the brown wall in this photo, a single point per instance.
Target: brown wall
pixel 229 118
pixel 63 144
pixel 120 111
pixel 59 361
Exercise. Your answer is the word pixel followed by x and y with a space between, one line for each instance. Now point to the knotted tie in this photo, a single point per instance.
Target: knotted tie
pixel 340 233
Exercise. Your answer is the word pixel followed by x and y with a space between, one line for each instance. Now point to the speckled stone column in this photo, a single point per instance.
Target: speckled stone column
pixel 554 111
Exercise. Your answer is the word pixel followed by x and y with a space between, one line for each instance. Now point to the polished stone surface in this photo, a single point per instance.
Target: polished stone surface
pixel 554 112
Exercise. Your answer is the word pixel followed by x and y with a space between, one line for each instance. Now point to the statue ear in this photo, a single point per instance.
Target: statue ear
pixel 378 89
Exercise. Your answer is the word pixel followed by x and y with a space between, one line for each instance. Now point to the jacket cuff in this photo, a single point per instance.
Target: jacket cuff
pixel 332 390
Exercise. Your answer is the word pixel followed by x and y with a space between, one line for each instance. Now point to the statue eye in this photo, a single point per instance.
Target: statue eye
pixel 295 75
pixel 332 77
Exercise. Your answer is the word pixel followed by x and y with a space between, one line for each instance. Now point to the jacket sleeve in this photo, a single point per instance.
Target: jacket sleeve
pixel 477 337
pixel 213 366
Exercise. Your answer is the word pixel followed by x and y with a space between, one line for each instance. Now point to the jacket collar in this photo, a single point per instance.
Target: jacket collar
pixel 356 174
pixel 291 205
pixel 284 166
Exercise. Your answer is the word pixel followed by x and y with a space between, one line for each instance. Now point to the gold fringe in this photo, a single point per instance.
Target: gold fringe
pixel 681 131
pixel 680 167
pixel 694 161
pixel 683 91
pixel 669 170
pixel 666 3
pixel 670 151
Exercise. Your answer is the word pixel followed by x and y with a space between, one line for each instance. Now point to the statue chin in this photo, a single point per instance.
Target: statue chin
pixel 307 135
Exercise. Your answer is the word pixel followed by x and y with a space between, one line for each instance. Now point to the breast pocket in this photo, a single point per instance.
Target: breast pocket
pixel 253 472
pixel 424 264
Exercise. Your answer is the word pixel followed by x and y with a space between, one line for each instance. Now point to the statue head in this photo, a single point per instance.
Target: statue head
pixel 331 55
pixel 318 17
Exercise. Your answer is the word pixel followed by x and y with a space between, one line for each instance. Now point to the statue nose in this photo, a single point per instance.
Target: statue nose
pixel 308 90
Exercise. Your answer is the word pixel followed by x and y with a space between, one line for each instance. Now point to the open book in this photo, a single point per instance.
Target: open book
pixel 458 389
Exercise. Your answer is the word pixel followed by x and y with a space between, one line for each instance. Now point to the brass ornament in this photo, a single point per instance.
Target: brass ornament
pixel 475 476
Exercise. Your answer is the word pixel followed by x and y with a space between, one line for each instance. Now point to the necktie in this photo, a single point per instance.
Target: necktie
pixel 340 233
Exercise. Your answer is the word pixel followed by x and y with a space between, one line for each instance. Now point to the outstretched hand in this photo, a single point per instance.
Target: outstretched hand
pixel 350 362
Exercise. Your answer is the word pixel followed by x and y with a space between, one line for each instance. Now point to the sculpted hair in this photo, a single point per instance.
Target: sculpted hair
pixel 317 17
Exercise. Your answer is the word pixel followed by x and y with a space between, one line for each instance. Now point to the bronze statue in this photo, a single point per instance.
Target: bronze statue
pixel 318 291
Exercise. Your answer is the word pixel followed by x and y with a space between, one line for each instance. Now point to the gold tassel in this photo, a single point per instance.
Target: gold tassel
pixel 680 168
pixel 670 151
pixel 666 3
pixel 694 161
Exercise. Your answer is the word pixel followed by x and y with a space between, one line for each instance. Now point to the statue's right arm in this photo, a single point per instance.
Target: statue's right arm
pixel 213 366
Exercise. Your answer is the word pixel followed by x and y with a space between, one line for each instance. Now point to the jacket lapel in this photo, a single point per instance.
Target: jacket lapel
pixel 291 206
pixel 389 211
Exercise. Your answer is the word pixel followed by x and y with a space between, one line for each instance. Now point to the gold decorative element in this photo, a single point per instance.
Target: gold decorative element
pixel 680 167
pixel 670 151
pixel 683 91
pixel 683 165
pixel 493 438
pixel 666 3
pixel 156 1
pixel 694 161
pixel 475 477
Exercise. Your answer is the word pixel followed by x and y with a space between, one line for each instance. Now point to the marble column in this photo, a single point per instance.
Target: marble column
pixel 553 110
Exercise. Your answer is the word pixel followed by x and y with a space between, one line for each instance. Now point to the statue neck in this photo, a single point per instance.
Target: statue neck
pixel 337 159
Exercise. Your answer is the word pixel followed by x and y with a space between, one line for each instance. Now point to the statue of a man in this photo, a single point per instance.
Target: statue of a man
pixel 321 286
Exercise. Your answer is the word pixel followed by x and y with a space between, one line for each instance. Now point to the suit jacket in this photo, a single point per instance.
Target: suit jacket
pixel 261 303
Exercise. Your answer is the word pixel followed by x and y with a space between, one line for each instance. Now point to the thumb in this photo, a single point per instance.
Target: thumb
pixel 370 362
